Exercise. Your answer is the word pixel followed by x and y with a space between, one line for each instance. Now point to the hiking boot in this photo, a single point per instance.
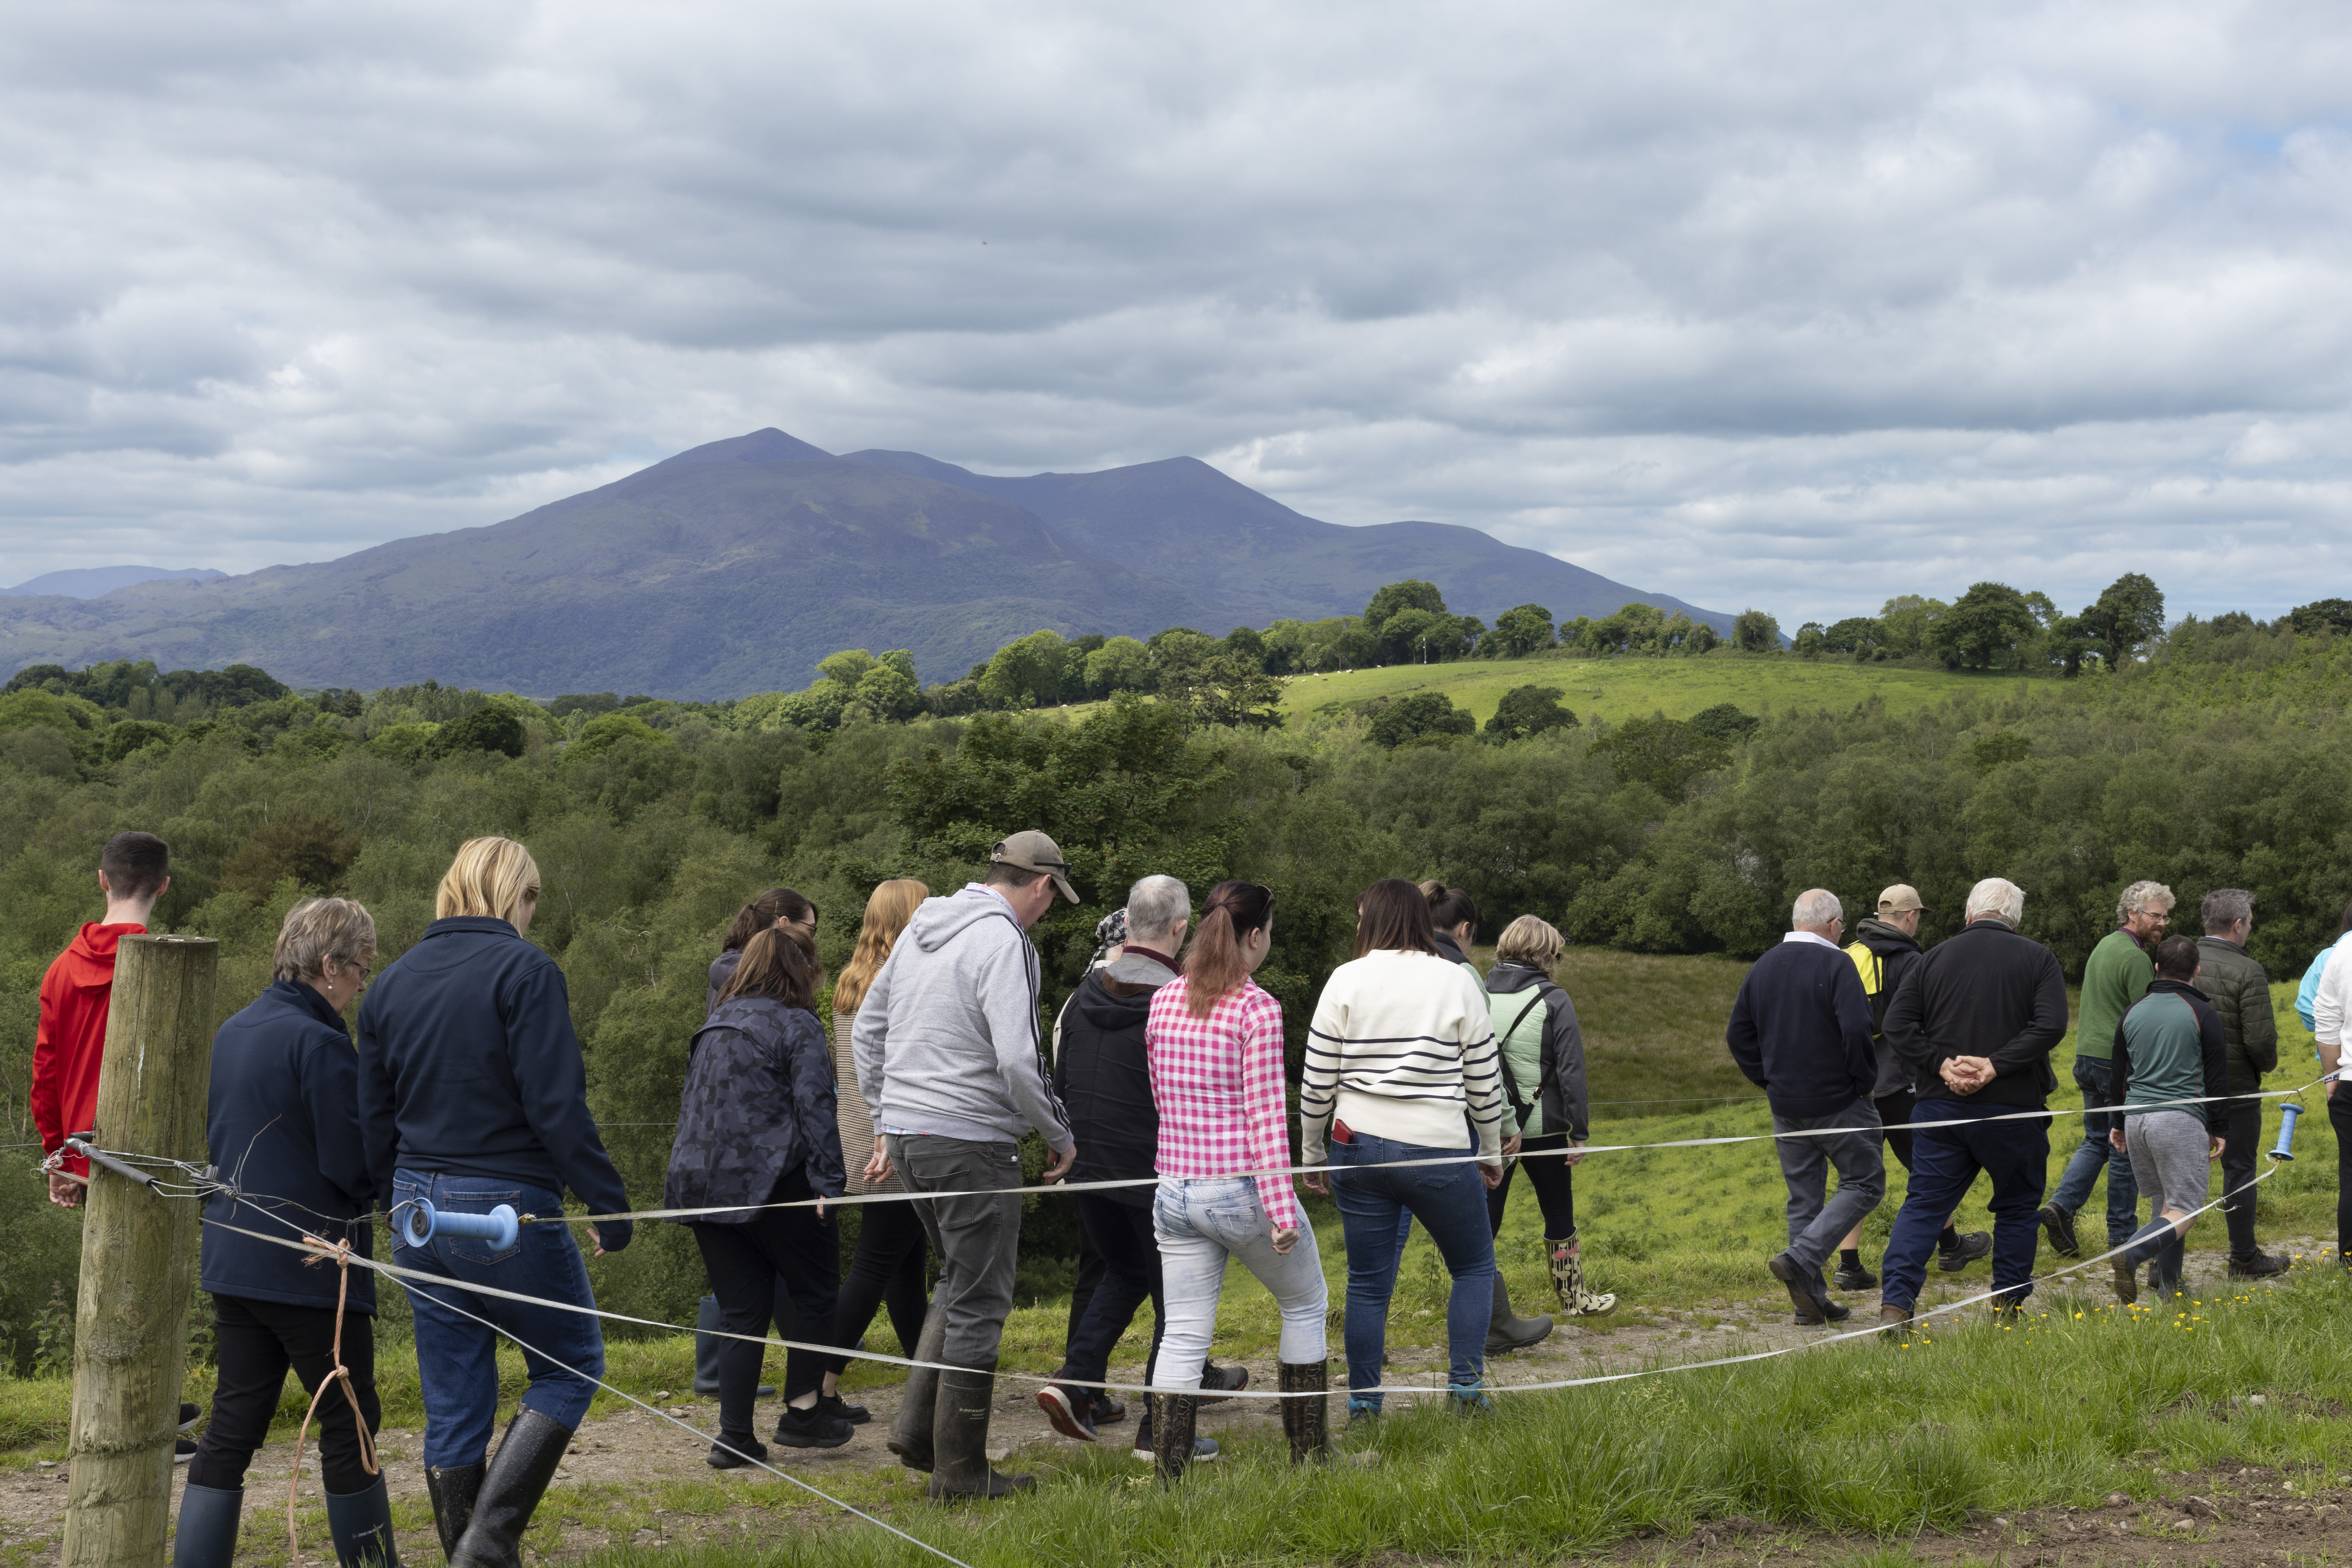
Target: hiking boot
pixel 1853 1277
pixel 1306 1421
pixel 734 1450
pixel 810 1428
pixel 1217 1382
pixel 2261 1266
pixel 1506 1330
pixel 2126 1278
pixel 1066 1409
pixel 1893 1322
pixel 1975 1244
pixel 1813 1301
pixel 2061 1226
pixel 1104 1407
pixel 960 1440
pixel 1567 1281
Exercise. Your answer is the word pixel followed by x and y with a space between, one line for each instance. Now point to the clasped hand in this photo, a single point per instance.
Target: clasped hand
pixel 1965 1075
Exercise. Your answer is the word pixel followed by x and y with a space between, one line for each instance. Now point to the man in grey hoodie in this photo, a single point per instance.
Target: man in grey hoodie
pixel 948 1055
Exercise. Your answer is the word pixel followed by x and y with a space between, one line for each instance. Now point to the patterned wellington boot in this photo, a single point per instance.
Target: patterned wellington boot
pixel 1567 1281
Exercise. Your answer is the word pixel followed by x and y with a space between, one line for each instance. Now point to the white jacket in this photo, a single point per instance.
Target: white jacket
pixel 1401 1047
pixel 2330 1005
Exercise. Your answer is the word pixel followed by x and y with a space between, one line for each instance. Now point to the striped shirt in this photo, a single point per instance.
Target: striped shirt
pixel 1401 1047
pixel 1218 1084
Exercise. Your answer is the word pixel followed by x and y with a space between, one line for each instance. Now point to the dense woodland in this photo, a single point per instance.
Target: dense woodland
pixel 2212 756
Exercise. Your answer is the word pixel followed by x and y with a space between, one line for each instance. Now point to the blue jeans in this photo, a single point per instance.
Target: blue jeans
pixel 2096 1077
pixel 1450 1201
pixel 1945 1160
pixel 456 1358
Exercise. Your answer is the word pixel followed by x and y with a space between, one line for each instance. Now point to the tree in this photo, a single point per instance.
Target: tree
pixel 1246 643
pixel 1664 753
pixel 1413 593
pixel 1812 640
pixel 888 692
pixel 2321 615
pixel 1904 622
pixel 1756 632
pixel 847 667
pixel 1418 719
pixel 1519 631
pixel 1725 721
pixel 2068 642
pixel 1227 689
pixel 1527 710
pixel 1857 634
pixel 1026 672
pixel 1122 664
pixel 1987 623
pixel 483 730
pixel 1422 636
pixel 2129 616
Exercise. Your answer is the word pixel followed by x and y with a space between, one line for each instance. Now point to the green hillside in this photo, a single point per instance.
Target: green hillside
pixel 1620 689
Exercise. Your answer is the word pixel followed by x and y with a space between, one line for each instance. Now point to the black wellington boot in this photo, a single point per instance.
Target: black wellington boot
pixel 208 1532
pixel 910 1431
pixel 1306 1421
pixel 1173 1419
pixel 517 1478
pixel 361 1523
pixel 453 1489
pixel 960 1440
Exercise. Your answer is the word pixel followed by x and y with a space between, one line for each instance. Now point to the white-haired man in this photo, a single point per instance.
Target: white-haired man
pixel 1976 1019
pixel 1801 1031
pixel 2114 977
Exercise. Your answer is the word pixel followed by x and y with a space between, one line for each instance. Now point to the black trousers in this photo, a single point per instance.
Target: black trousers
pixel 2339 1118
pixel 2238 1152
pixel 744 1262
pixel 1551 1179
pixel 1893 1110
pixel 886 1269
pixel 1120 1235
pixel 255 1341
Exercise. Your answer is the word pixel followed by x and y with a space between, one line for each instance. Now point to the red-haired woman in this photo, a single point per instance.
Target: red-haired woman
pixel 1215 1045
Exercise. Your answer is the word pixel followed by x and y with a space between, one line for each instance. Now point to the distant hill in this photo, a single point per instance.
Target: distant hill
pixel 734 566
pixel 92 581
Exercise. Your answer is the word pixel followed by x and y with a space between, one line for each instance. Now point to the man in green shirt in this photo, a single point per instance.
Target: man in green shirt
pixel 2116 977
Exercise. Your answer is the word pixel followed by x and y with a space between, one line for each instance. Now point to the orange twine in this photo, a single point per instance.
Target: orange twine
pixel 342 1254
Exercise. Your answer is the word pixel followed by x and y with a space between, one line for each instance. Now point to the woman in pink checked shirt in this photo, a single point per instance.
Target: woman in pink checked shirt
pixel 1215 1045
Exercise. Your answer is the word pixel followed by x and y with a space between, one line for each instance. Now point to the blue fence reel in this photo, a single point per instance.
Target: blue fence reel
pixel 2287 1116
pixel 498 1228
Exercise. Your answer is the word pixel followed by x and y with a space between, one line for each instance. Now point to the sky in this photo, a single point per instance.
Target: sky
pixel 1787 306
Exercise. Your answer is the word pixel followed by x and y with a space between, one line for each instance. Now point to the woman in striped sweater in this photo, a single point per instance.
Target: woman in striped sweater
pixel 1401 1050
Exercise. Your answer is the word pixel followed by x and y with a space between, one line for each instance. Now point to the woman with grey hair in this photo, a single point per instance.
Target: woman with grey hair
pixel 282 1125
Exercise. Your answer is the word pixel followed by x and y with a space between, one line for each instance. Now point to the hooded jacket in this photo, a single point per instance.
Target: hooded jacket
pixel 1543 1054
pixel 1103 1074
pixel 758 1104
pixel 947 1039
pixel 282 1123
pixel 1987 992
pixel 2241 995
pixel 69 1042
pixel 1883 954
pixel 468 1066
pixel 722 970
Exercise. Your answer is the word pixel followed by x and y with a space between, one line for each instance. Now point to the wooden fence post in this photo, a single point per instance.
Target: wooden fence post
pixel 138 1254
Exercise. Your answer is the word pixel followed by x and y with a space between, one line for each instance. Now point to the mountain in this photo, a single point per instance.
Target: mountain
pixel 90 581
pixel 734 566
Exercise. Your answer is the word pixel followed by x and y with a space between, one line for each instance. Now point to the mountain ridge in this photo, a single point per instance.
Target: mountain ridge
pixel 734 566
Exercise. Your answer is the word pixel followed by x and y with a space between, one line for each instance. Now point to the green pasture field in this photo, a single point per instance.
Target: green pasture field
pixel 1622 689
pixel 1868 1440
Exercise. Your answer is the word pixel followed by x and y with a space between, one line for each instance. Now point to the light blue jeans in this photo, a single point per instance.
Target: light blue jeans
pixel 1201 1225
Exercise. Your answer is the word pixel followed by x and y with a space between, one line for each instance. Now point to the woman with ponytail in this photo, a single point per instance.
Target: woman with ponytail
pixel 887 1268
pixel 1214 1040
pixel 778 908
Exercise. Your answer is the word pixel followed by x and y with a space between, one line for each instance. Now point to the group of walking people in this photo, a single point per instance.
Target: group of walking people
pixel 1423 1086
pixel 1943 1054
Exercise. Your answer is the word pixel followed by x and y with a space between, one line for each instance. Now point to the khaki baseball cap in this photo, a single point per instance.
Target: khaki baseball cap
pixel 1900 899
pixel 1033 851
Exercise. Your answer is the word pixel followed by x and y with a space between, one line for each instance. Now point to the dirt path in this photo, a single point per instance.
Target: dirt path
pixel 632 1478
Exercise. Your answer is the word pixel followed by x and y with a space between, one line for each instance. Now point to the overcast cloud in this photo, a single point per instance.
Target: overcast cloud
pixel 1793 306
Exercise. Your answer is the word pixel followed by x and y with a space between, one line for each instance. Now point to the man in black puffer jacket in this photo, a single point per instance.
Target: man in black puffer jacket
pixel 1103 1077
pixel 1975 1020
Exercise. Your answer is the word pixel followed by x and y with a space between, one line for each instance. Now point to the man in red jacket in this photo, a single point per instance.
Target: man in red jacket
pixel 132 873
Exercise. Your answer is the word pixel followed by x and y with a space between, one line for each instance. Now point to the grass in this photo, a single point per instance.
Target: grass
pixel 1620 689
pixel 1866 1439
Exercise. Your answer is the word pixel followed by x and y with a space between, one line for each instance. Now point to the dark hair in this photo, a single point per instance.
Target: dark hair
pixel 1449 907
pixel 1393 914
pixel 2345 929
pixel 778 963
pixel 136 864
pixel 1213 964
pixel 2176 957
pixel 1004 874
pixel 762 914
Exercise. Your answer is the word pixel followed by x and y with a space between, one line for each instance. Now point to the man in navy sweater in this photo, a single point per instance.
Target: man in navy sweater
pixel 1801 1031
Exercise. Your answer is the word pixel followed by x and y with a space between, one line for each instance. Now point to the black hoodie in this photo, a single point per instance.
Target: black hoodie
pixel 1895 951
pixel 1103 1074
